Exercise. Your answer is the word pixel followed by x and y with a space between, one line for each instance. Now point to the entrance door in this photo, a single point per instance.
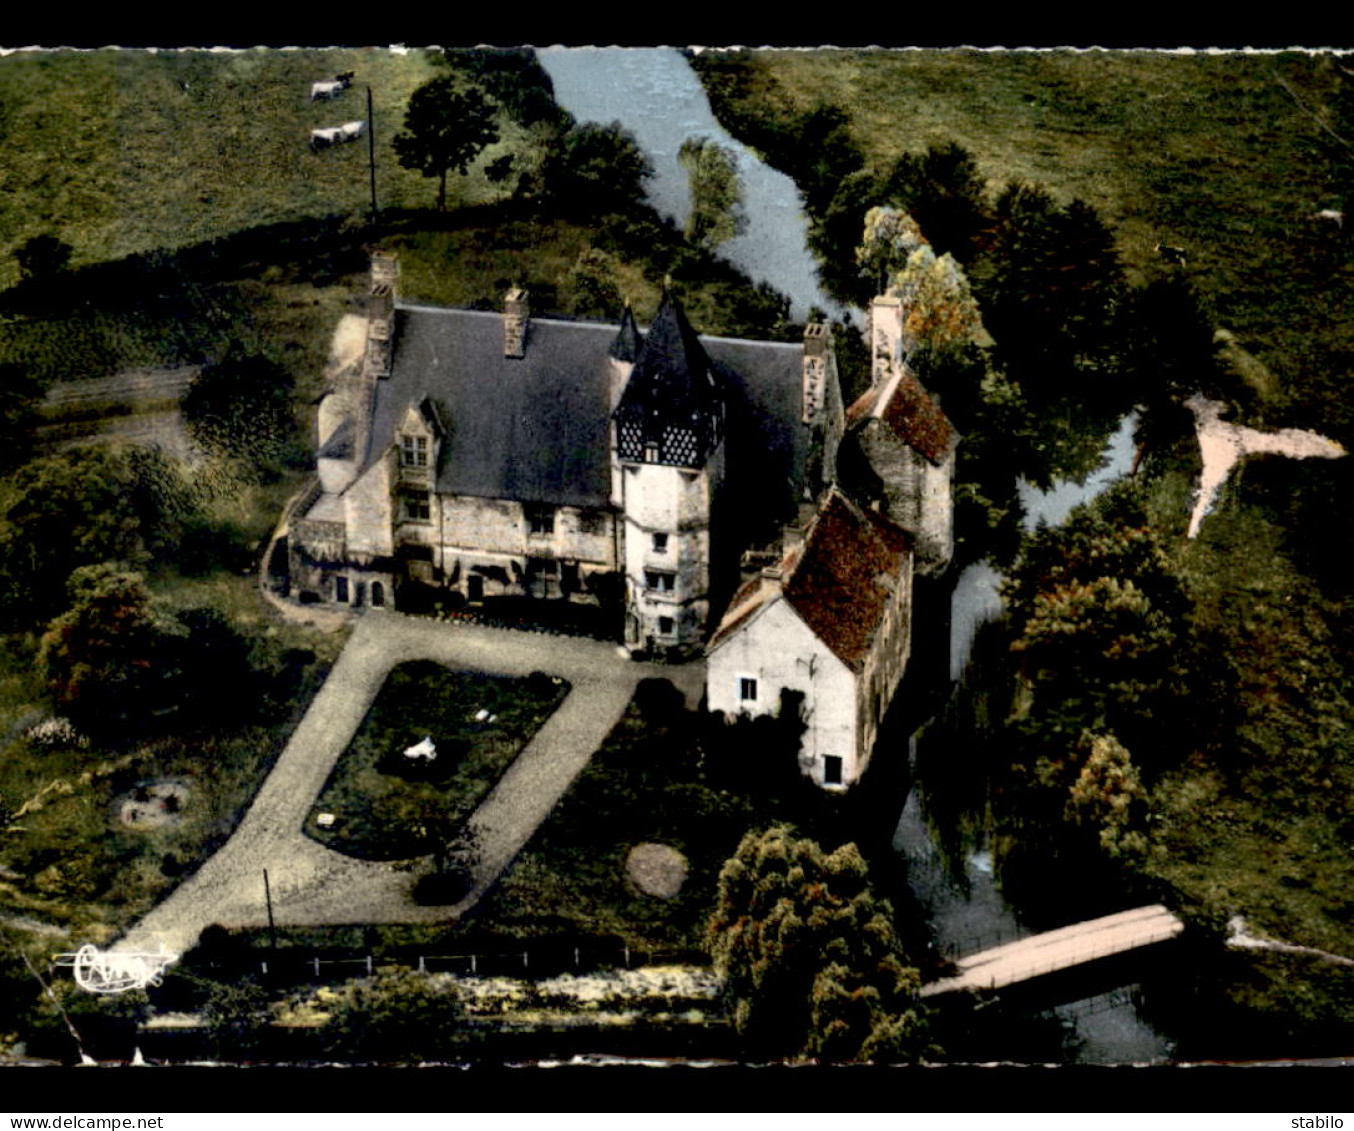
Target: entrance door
pixel 475 583
pixel 378 595
pixel 832 769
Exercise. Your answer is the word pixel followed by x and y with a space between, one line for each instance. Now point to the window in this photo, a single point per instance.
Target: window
pixel 660 543
pixel 659 581
pixel 378 594
pixel 418 506
pixel 541 520
pixel 747 689
pixel 414 451
pixel 341 590
pixel 832 769
pixel 664 626
pixel 590 522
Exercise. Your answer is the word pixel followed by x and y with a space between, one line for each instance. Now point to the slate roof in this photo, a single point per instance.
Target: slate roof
pixel 910 413
pixel 537 428
pixel 673 402
pixel 839 580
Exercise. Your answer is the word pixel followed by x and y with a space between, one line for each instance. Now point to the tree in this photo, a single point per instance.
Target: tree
pixel 444 129
pixel 945 191
pixel 57 514
pixel 42 257
pixel 889 239
pixel 594 169
pixel 241 407
pixel 717 204
pixel 808 955
pixel 1108 797
pixel 938 307
pixel 100 656
pixel 400 1016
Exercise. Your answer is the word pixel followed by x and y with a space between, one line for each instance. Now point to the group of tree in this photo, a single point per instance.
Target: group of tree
pixel 114 663
pixel 809 957
pixel 241 409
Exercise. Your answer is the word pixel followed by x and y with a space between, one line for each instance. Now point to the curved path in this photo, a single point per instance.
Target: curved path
pixel 314 885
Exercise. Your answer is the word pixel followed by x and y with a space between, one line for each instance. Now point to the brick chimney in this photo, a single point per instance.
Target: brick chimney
pixel 817 342
pixel 516 320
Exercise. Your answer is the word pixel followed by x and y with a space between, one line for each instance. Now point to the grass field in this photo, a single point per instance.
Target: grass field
pixel 119 152
pixel 1226 156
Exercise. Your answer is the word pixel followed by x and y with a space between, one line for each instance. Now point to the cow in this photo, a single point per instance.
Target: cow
pixel 1174 255
pixel 1330 216
pixel 331 88
pixel 336 135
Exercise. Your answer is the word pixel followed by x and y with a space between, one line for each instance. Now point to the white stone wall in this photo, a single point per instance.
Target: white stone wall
pixel 367 508
pixel 676 502
pixel 778 650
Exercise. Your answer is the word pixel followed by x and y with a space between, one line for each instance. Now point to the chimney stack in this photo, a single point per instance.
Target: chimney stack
pixel 817 340
pixel 516 319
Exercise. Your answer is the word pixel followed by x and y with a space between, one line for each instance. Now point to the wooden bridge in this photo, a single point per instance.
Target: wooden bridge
pixel 1057 950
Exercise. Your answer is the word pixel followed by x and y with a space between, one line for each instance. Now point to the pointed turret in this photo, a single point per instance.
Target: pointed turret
pixel 671 411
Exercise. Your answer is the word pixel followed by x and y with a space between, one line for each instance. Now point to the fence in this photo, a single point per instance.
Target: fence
pixel 526 963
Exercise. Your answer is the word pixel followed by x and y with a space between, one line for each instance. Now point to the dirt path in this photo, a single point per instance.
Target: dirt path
pixel 313 885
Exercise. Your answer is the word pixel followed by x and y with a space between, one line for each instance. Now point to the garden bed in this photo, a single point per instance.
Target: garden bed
pixel 386 806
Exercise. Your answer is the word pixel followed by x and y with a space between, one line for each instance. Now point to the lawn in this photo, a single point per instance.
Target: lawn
pixel 69 859
pixel 388 806
pixel 1227 156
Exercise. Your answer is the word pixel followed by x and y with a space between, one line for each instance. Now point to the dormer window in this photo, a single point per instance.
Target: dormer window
pixel 540 519
pixel 418 506
pixel 660 543
pixel 650 453
pixel 414 451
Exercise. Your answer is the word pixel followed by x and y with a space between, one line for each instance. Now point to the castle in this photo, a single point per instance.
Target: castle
pixel 492 454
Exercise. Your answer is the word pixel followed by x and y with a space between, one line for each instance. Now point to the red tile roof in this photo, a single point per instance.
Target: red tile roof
pixel 911 415
pixel 839 581
pixel 851 564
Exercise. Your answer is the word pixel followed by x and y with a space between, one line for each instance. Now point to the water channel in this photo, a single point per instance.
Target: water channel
pixel 654 94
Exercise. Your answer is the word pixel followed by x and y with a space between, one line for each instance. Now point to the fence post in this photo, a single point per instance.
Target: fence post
pixel 627 956
pixel 263 967
pixel 524 960
pixel 576 963
pixel 317 967
pixel 369 966
pixel 422 969
pixel 472 964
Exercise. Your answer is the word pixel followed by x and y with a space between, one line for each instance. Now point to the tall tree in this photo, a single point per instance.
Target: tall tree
pixel 241 407
pixel 717 206
pixel 809 958
pixel 593 169
pixel 945 191
pixel 100 655
pixel 444 129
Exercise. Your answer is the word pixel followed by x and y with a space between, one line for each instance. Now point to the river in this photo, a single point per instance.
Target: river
pixel 655 95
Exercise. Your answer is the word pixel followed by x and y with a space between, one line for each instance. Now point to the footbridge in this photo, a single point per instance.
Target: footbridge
pixel 1031 957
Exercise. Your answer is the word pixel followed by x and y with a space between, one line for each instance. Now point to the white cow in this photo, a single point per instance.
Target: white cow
pixel 331 88
pixel 426 750
pixel 1330 216
pixel 336 135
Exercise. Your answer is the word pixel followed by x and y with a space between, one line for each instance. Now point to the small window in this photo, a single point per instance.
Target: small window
pixel 747 689
pixel 414 451
pixel 661 582
pixel 341 590
pixel 660 543
pixel 664 626
pixel 650 453
pixel 541 520
pixel 590 522
pixel 418 506
pixel 832 770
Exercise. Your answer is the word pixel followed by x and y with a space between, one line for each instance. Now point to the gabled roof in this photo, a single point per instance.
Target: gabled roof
pixel 839 581
pixel 537 428
pixel 909 412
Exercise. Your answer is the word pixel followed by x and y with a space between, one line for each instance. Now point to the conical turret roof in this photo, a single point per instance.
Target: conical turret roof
pixel 671 411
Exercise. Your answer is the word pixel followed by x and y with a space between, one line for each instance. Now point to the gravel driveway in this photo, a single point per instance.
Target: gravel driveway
pixel 314 885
